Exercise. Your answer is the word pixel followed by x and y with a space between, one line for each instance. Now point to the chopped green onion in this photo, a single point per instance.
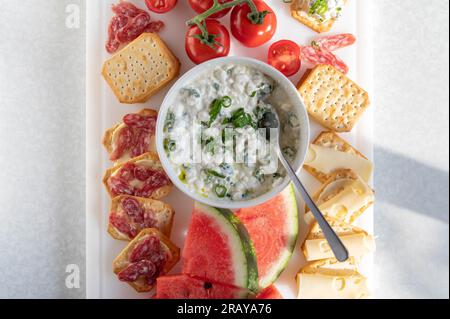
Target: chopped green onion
pixel 170 121
pixel 319 7
pixel 220 190
pixel 170 145
pixel 226 101
pixel 211 172
pixel 260 176
pixel 182 176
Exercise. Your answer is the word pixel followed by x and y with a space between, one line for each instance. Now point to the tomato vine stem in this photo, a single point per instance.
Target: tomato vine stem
pixel 255 17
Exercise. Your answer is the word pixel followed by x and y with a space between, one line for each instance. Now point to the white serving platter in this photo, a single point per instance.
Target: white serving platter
pixel 103 111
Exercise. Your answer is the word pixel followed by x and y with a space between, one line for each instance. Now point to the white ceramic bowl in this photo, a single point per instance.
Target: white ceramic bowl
pixel 284 82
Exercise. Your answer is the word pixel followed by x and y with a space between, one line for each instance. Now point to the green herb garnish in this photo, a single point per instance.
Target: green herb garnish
pixel 241 119
pixel 216 107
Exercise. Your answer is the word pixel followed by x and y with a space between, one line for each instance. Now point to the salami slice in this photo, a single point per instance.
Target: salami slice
pixel 146 257
pixel 126 9
pixel 140 121
pixel 124 142
pixel 134 29
pixel 315 57
pixel 145 268
pixel 128 23
pixel 154 26
pixel 135 137
pixel 334 42
pixel 141 177
pixel 146 249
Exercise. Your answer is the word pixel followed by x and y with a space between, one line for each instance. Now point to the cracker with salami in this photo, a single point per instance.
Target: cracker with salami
pixel 150 255
pixel 133 137
pixel 142 176
pixel 129 215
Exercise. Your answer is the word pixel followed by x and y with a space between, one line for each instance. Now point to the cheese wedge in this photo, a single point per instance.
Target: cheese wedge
pixel 357 241
pixel 345 196
pixel 328 160
pixel 349 285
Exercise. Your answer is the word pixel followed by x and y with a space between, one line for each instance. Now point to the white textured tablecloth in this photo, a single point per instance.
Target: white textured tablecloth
pixel 42 148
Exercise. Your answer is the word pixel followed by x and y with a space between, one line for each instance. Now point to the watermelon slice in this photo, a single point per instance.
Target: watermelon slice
pixel 187 287
pixel 270 292
pixel 273 228
pixel 218 247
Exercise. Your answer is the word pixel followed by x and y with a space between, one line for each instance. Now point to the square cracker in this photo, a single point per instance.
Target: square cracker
pixel 141 69
pixel 311 22
pixel 332 99
pixel 331 140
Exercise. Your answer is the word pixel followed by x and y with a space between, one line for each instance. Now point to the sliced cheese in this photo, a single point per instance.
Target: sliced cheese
pixel 341 228
pixel 325 286
pixel 327 160
pixel 346 205
pixel 331 265
pixel 333 188
pixel 358 245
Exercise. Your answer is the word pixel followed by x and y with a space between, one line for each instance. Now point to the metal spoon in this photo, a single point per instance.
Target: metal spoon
pixel 270 120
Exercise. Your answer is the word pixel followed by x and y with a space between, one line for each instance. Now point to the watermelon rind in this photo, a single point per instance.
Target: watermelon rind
pixel 292 233
pixel 248 249
pixel 258 220
pixel 244 256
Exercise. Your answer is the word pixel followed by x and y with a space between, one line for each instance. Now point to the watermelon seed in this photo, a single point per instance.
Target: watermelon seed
pixel 207 285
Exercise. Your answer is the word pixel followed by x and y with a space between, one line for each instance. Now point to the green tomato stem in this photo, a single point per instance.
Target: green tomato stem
pixel 217 7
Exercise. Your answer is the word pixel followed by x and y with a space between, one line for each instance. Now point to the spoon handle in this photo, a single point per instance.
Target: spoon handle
pixel 338 248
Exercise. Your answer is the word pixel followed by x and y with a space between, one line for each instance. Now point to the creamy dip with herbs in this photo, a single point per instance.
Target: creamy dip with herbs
pixel 213 117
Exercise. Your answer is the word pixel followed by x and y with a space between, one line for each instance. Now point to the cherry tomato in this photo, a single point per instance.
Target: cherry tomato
pixel 248 33
pixel 199 51
pixel 160 6
pixel 201 6
pixel 284 55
